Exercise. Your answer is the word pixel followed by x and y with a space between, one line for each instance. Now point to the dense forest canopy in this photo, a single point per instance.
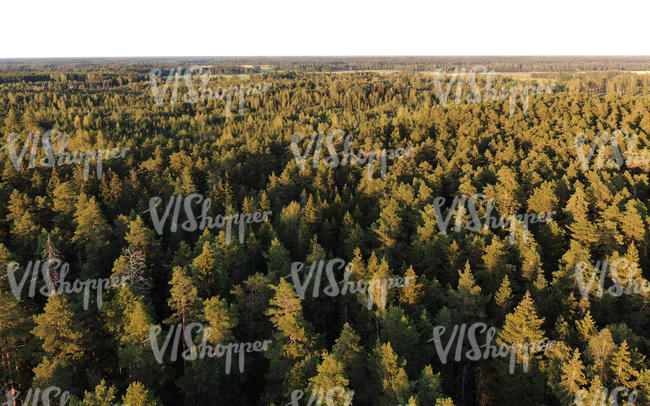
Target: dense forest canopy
pixel 293 296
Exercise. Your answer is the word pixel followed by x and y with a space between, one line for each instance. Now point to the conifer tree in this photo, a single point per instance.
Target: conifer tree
pixel 522 326
pixel 103 395
pixel 138 395
pixel 397 328
pixel 331 375
pixel 92 231
pixel 586 327
pixel 24 220
pixel 573 376
pixel 16 344
pixel 63 343
pixel 429 386
pixel 504 296
pixel 134 352
pixel 221 317
pixel 388 372
pixel 411 293
pixel 467 300
pixel 184 300
pixel 251 300
pixel 624 373
pixel 290 353
pixel 601 349
pixel 277 257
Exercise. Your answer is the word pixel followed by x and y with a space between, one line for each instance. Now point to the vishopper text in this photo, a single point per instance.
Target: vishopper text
pixel 318 393
pixel 206 94
pixel 602 138
pixel 474 354
pixel 373 286
pixel 204 349
pixel 491 222
pixel 49 159
pixel 63 287
pixel 615 290
pixel 333 160
pixel 191 223
pixel 34 395
pixel 600 397
pixel 458 77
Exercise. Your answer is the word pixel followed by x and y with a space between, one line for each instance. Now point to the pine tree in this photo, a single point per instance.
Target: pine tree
pixel 143 239
pixel 138 395
pixel 184 300
pixel 286 315
pixel 388 229
pixel 573 376
pixel 348 350
pixel 594 396
pixel 208 270
pixel 221 317
pixel 504 294
pixel 134 353
pixel 633 225
pixel 429 386
pixel 397 328
pixel 277 257
pixel 330 375
pixel 586 327
pixel 92 230
pixel 290 354
pixel 63 343
pixel 103 395
pixel 24 220
pixel 543 199
pixel 388 372
pixel 522 326
pixel 377 271
pixel 601 349
pixel 411 293
pixel 624 373
pixel 467 300
pixel 252 299
pixel 16 344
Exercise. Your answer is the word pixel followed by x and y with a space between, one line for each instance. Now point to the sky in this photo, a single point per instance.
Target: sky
pixel 127 28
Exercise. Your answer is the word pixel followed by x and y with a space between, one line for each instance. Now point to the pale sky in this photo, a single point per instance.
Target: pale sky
pixel 95 28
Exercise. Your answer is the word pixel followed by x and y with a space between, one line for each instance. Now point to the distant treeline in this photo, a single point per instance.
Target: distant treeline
pixel 243 65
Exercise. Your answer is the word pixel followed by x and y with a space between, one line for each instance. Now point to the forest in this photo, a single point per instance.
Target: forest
pixel 325 231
